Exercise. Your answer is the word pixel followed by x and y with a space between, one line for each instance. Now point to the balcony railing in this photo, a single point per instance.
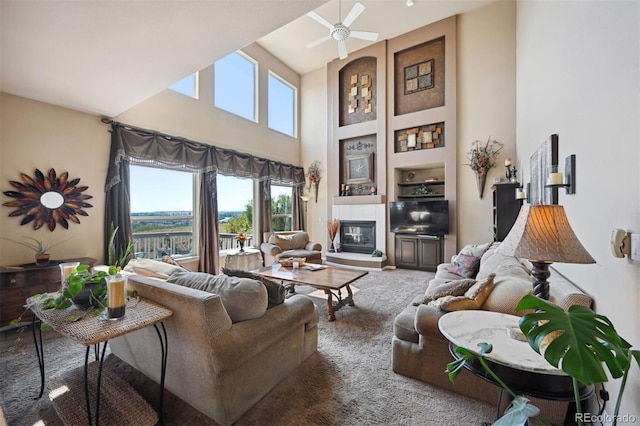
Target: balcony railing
pixel 153 244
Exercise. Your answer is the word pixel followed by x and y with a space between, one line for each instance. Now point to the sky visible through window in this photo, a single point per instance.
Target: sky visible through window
pixel 186 86
pixel 282 103
pixel 234 85
pixel 154 190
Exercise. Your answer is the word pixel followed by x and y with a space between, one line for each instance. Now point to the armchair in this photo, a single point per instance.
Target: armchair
pixel 289 244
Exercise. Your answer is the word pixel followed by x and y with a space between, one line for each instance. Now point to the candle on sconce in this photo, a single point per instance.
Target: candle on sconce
pixel 507 162
pixel 556 179
pixel 520 195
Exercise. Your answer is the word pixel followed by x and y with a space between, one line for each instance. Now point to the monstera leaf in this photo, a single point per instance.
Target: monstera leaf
pixel 578 341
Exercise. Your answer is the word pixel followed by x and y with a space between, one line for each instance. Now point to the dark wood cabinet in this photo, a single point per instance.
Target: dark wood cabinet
pixel 17 283
pixel 505 208
pixel 422 252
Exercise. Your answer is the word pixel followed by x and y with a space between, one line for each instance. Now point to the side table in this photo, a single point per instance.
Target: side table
pixel 246 260
pixel 89 330
pixel 514 361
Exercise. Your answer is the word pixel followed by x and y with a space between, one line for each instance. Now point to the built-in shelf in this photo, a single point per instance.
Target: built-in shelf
pixel 358 199
pixel 426 182
pixel 420 197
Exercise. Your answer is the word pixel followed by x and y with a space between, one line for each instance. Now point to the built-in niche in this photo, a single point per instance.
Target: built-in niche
pixel 423 137
pixel 419 77
pixel 358 91
pixel 358 165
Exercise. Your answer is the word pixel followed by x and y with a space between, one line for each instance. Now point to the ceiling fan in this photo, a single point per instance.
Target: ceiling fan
pixel 341 31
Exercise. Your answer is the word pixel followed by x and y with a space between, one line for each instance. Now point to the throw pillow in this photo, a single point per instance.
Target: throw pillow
pixel 275 291
pixel 152 268
pixel 472 298
pixel 243 298
pixel 441 288
pixel 465 265
pixel 171 261
pixel 476 250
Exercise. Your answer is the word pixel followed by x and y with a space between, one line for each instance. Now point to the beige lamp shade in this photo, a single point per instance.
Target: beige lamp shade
pixel 542 233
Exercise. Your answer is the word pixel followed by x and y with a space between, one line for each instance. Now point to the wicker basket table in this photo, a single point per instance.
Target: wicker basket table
pixel 90 330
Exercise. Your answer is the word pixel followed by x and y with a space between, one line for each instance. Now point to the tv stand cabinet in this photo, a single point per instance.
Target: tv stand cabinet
pixel 423 252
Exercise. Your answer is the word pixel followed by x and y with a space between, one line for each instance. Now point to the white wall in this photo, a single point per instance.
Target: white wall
pixel 577 76
pixel 314 147
pixel 486 108
pixel 37 135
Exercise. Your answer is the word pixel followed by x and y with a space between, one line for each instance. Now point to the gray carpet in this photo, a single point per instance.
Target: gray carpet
pixel 349 380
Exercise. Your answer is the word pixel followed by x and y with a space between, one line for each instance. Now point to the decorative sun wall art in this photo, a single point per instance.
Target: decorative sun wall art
pixel 49 199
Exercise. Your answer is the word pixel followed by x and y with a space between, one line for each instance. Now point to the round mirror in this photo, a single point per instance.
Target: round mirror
pixel 52 200
pixel 48 199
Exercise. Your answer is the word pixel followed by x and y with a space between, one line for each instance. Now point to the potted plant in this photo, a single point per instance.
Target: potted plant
pixel 39 247
pixel 577 341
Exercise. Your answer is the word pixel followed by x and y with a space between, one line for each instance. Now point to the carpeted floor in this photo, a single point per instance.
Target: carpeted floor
pixel 349 380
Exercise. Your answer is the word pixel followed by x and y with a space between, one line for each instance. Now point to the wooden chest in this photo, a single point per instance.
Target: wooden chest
pixel 17 283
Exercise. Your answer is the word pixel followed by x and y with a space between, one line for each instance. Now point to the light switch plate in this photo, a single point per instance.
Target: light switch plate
pixel 635 247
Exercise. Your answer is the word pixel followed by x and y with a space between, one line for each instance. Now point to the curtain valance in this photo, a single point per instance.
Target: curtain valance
pixel 147 147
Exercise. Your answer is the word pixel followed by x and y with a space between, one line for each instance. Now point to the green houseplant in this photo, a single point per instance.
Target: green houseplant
pixel 39 247
pixel 578 341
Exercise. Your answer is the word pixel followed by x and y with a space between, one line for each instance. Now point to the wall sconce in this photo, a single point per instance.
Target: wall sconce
pixel 567 180
pixel 520 193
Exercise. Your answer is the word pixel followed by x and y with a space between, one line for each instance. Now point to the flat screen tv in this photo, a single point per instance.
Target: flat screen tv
pixel 420 217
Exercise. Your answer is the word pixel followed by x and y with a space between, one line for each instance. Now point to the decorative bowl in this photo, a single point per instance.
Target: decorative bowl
pixel 288 262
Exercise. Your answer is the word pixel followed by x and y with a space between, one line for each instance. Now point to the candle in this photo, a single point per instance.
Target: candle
pixel 507 162
pixel 555 179
pixel 66 271
pixel 116 300
pixel 520 194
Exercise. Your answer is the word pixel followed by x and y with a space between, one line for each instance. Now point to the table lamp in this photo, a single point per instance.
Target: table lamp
pixel 543 235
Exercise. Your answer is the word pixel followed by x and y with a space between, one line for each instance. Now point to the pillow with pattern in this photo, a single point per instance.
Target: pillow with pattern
pixel 466 266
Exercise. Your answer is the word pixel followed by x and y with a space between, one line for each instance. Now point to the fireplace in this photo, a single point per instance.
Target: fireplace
pixel 358 236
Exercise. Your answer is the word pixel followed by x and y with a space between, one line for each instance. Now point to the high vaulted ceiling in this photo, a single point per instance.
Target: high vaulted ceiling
pixel 104 57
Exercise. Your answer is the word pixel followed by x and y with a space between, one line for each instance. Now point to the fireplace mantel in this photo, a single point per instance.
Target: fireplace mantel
pixel 358 199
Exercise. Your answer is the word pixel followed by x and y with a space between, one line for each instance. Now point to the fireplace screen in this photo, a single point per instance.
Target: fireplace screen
pixel 358 236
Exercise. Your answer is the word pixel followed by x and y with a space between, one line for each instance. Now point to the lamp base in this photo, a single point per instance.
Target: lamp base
pixel 540 273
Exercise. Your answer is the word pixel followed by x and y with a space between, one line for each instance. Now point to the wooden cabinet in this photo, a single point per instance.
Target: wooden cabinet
pixel 505 208
pixel 17 283
pixel 422 252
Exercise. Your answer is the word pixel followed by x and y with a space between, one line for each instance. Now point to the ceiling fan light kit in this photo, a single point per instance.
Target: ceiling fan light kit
pixel 340 32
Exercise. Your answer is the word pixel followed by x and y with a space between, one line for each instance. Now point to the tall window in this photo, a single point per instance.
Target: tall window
pixel 235 210
pixel 162 223
pixel 282 105
pixel 281 208
pixel 187 86
pixel 235 82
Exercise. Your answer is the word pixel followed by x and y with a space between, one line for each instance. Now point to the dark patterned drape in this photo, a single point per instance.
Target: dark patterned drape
pixel 118 211
pixel 130 145
pixel 264 212
pixel 298 213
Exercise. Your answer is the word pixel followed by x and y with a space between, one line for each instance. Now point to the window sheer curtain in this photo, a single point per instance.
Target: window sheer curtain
pixel 131 145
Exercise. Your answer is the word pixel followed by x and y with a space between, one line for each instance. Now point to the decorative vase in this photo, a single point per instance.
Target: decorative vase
pixel 84 299
pixel 481 177
pixel 42 259
pixel 316 184
pixel 241 243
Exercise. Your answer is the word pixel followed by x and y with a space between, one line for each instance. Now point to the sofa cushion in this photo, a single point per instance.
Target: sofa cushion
pixel 443 287
pixel 152 268
pixel 465 265
pixel 512 282
pixel 473 298
pixel 243 298
pixel 286 242
pixel 476 250
pixel 275 291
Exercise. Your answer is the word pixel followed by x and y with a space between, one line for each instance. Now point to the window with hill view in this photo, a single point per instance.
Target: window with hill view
pixel 281 208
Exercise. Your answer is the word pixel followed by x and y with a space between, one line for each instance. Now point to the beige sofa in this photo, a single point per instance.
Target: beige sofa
pixel 281 245
pixel 422 352
pixel 219 367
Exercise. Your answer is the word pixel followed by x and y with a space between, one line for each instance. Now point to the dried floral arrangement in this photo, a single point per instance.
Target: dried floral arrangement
pixel 482 157
pixel 333 226
pixel 314 174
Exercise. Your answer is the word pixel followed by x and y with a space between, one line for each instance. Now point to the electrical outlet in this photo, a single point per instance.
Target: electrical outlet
pixel 635 247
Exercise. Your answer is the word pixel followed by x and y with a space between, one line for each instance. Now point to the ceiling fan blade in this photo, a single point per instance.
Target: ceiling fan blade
pixel 364 35
pixel 313 15
pixel 355 11
pixel 342 49
pixel 318 41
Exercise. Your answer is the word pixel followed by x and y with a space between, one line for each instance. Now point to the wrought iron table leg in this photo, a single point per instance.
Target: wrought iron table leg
pixel 104 348
pixel 39 350
pixel 86 384
pixel 164 347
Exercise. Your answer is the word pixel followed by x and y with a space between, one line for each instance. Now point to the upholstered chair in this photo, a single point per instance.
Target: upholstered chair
pixel 286 244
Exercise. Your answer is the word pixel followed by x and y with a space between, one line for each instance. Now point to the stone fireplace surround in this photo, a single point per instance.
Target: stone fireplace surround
pixel 361 212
